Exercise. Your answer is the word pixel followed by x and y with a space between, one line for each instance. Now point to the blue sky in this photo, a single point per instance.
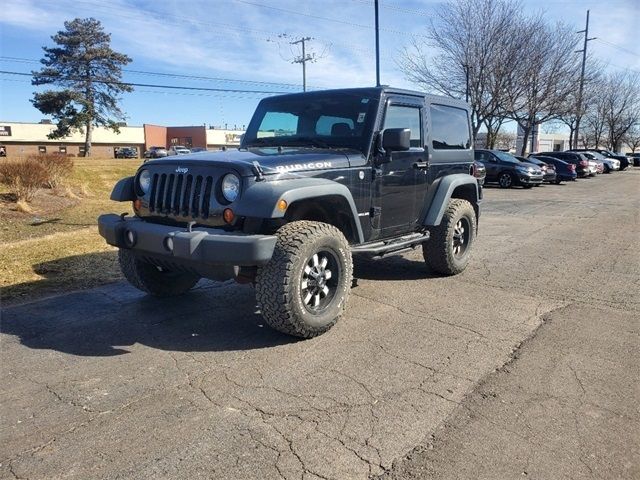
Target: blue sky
pixel 245 44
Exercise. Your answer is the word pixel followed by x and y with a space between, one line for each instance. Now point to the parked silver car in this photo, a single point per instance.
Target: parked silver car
pixel 610 164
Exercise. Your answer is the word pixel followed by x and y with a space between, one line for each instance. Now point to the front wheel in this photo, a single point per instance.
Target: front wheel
pixel 505 180
pixel 152 279
pixel 449 248
pixel 303 290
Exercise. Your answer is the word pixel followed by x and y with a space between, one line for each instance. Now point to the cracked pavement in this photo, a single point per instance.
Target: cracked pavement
pixel 109 383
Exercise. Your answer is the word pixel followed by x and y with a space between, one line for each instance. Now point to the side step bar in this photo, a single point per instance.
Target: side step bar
pixel 396 245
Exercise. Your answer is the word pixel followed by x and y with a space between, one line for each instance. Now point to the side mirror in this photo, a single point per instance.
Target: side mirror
pixel 396 139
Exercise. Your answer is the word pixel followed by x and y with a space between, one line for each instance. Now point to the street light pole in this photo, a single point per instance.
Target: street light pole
pixel 377 44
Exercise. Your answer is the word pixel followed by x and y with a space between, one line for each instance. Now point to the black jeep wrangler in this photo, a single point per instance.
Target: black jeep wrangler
pixel 319 176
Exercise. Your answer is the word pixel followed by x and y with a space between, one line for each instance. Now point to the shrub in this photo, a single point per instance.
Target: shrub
pixel 58 168
pixel 23 177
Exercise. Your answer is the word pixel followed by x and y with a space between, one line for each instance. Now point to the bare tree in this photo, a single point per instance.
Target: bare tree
pixel 622 107
pixel 546 71
pixel 505 141
pixel 632 138
pixel 476 45
pixel 570 116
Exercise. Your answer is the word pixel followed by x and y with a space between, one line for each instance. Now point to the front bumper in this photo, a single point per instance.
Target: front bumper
pixel 197 249
pixel 530 179
pixel 550 177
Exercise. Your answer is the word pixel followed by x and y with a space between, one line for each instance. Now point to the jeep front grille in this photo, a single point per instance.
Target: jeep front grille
pixel 181 195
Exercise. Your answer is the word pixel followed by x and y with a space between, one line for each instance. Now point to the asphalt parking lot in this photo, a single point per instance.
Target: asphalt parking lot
pixel 107 383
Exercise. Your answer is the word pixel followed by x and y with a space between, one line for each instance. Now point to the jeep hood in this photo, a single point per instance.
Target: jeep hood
pixel 271 160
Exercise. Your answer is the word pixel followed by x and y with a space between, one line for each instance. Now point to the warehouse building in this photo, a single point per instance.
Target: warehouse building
pixel 19 139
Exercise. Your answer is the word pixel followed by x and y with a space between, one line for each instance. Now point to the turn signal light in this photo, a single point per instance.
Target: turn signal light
pixel 282 205
pixel 137 204
pixel 228 215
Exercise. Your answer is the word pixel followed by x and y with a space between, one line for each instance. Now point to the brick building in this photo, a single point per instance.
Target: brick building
pixel 30 138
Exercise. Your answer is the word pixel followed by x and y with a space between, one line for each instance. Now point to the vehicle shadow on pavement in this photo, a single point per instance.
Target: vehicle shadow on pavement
pixel 394 267
pixel 105 321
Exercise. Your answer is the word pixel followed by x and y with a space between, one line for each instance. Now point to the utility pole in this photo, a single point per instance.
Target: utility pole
pixel 466 81
pixel 303 59
pixel 377 45
pixel 581 89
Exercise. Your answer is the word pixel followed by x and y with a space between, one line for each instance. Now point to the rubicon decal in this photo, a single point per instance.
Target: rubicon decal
pixel 303 166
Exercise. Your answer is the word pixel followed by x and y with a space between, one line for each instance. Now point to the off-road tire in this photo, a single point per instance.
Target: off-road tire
pixel 154 280
pixel 279 284
pixel 438 251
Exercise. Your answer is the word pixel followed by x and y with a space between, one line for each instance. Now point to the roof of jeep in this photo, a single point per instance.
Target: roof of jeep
pixel 377 91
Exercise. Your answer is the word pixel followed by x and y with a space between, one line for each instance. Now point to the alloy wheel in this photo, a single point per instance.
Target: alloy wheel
pixel 320 278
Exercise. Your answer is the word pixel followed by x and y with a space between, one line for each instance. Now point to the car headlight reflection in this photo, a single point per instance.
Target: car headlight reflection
pixel 230 187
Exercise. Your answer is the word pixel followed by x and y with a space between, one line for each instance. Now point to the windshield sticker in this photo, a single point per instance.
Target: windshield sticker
pixel 364 100
pixel 361 116
pixel 303 166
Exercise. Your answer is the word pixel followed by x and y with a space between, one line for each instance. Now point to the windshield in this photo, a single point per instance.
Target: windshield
pixel 505 157
pixel 331 120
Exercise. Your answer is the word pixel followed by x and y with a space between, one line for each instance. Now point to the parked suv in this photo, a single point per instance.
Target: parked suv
pixel 127 152
pixel 579 160
pixel 635 158
pixel 155 152
pixel 178 150
pixel 624 161
pixel 507 170
pixel 320 176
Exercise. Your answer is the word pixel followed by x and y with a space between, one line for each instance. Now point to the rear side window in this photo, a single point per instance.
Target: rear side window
pixel 400 116
pixel 449 128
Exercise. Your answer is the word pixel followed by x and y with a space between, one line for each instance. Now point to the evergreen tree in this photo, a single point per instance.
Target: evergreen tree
pixel 89 73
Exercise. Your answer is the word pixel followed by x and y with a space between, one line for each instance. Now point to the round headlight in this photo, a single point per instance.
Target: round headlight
pixel 230 187
pixel 144 181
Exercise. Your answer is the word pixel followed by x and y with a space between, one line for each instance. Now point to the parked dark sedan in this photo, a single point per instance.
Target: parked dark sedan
pixel 565 172
pixel 506 170
pixel 548 170
pixel 624 161
pixel 579 160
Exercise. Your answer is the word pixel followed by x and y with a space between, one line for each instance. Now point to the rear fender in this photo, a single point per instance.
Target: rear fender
pixel 459 185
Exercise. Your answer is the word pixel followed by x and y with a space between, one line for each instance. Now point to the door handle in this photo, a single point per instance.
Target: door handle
pixel 421 165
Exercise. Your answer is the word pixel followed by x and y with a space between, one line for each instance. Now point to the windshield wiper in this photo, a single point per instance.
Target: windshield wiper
pixel 304 142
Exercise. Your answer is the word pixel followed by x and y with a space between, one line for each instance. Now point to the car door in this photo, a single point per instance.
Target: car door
pixel 491 164
pixel 396 182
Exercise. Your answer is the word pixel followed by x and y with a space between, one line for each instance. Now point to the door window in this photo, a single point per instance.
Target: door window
pixel 401 116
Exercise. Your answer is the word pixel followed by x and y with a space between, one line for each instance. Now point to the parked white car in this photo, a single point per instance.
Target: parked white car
pixel 178 150
pixel 610 164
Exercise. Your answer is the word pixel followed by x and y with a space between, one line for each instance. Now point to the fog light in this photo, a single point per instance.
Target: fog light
pixel 130 238
pixel 228 215
pixel 168 243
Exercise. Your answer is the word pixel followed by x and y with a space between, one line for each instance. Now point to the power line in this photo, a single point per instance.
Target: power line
pixel 623 49
pixel 149 85
pixel 329 19
pixel 174 75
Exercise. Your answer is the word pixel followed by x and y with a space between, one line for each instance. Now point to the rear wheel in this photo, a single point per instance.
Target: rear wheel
pixel 448 250
pixel 154 280
pixel 303 290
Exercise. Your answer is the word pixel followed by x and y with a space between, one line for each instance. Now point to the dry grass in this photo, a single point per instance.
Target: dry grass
pixel 53 245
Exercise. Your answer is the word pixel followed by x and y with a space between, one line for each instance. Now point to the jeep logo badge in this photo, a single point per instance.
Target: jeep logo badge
pixel 182 170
